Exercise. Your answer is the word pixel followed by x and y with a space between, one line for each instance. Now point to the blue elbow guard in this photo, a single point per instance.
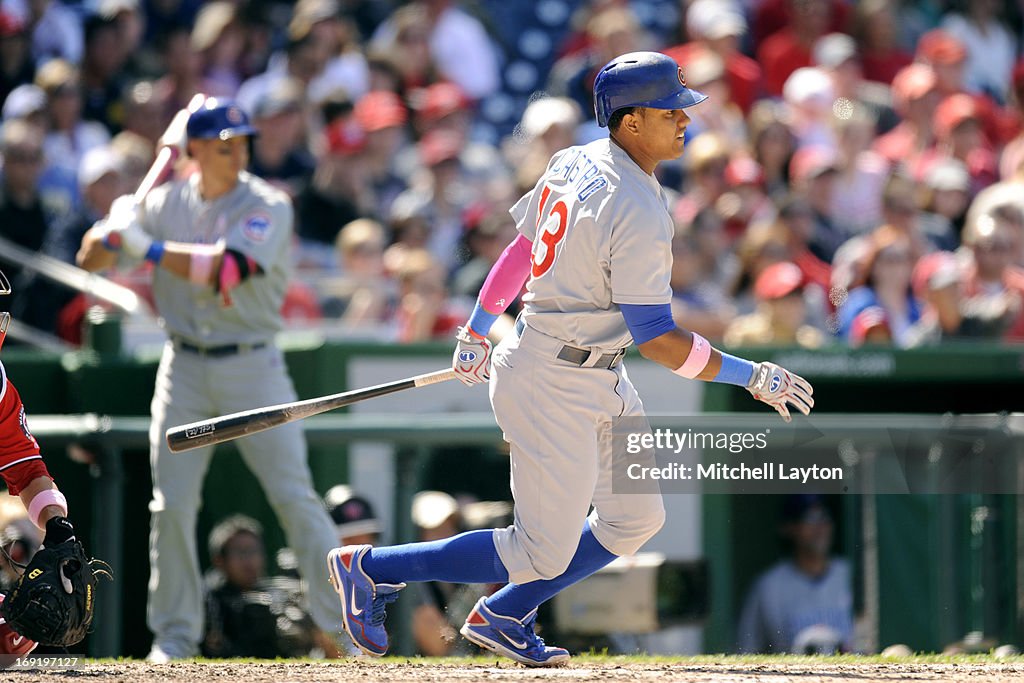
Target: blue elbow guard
pixel 647 321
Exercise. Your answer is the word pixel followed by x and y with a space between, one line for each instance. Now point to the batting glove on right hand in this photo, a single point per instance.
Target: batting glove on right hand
pixel 777 386
pixel 472 358
pixel 122 231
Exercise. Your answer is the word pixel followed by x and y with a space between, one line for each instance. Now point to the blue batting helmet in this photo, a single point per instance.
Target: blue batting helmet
pixel 641 79
pixel 218 118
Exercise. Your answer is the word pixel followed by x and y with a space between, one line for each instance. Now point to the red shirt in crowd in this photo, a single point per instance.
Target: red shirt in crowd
pixel 742 73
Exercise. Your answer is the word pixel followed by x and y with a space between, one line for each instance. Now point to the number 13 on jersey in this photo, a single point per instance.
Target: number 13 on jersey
pixel 551 227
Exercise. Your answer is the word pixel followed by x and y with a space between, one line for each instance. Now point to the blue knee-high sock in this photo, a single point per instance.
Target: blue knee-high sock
pixel 467 558
pixel 519 599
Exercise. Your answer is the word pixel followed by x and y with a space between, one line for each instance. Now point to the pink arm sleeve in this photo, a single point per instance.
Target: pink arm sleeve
pixel 507 276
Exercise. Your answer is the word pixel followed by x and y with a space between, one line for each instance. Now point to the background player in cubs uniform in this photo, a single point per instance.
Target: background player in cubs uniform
pixel 219 240
pixel 25 473
pixel 595 242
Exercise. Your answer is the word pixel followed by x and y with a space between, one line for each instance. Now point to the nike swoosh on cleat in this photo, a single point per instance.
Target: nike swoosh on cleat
pixel 517 645
pixel 355 610
pixel 17 641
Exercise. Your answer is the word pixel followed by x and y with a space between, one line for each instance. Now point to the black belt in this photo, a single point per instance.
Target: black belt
pixel 216 351
pixel 578 356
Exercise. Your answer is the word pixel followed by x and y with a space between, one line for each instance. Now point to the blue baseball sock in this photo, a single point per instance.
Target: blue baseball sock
pixel 467 558
pixel 519 599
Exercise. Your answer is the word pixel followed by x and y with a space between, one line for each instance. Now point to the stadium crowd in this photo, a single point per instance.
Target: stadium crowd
pixel 855 177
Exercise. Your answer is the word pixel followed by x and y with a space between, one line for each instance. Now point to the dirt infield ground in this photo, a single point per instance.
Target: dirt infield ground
pixel 603 669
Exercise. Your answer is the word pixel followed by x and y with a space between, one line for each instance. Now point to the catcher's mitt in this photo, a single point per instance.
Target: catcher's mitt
pixel 53 601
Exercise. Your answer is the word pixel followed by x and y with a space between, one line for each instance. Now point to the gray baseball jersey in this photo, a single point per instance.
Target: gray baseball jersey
pixel 602 236
pixel 255 219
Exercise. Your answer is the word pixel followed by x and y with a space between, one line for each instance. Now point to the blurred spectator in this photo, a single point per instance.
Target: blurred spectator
pixel 424 313
pixel 744 202
pixel 548 125
pixel 857 194
pixel 103 73
pixel 993 285
pixel 362 295
pixel 836 54
pixel 871 327
pixel 442 606
pixel 336 194
pixel 26 220
pixel 706 73
pixel 803 604
pixel 383 117
pixel 458 44
pixel 938 285
pixel 56 28
pixel 763 244
pixel 781 315
pixel 346 69
pixel 699 303
pixel 278 153
pixel 247 613
pixel 707 156
pixel 69 137
pixel 130 22
pixel 772 144
pixel 405 46
pixel 16 65
pixel 796 222
pixel 915 95
pixel 884 282
pixel 947 56
pixel 959 135
pixel 353 516
pixel 991 48
pixel 814 171
pixel 610 32
pixel 486 238
pixel 947 187
pixel 136 154
pixel 143 112
pixel 810 96
pixel 876 27
pixel 303 60
pixel 789 49
pixel 182 70
pixel 717 26
pixel 101 181
pixel 27 102
pixel 218 39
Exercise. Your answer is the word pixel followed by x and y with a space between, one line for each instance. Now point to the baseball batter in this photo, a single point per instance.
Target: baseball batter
pixel 219 240
pixel 594 244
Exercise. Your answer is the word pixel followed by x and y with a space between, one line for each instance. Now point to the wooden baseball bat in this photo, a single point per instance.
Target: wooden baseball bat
pixel 168 154
pixel 230 427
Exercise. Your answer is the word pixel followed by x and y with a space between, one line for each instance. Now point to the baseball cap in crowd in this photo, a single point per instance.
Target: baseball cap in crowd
pixel 778 280
pixel 714 19
pixel 940 47
pixel 439 146
pixel 795 507
pixel 743 170
pixel 284 96
pixel 380 109
pixel 23 101
pixel 948 174
pixel 352 514
pixel 813 161
pixel 96 163
pixel 953 111
pixel 543 113
pixel 431 509
pixel 345 136
pixel 809 86
pixel 211 23
pixel 834 50
pixel 911 83
pixel 440 100
pixel 872 320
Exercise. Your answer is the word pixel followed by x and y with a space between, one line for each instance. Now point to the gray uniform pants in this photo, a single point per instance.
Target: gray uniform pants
pixel 190 387
pixel 557 418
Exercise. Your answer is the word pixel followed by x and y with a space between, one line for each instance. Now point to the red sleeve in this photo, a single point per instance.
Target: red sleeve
pixel 20 461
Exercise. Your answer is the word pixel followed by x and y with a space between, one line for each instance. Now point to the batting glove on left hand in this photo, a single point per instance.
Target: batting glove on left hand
pixel 472 358
pixel 777 386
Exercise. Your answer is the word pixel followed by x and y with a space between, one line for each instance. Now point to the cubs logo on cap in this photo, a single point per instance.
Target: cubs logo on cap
pixel 234 114
pixel 682 78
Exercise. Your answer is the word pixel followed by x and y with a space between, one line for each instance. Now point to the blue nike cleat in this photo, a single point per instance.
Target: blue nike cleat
pixel 510 637
pixel 362 601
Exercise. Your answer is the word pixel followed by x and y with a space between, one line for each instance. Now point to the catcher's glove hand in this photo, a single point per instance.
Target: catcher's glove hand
pixel 54 599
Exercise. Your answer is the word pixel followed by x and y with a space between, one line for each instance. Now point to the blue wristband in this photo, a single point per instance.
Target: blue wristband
pixel 155 252
pixel 734 370
pixel 481 321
